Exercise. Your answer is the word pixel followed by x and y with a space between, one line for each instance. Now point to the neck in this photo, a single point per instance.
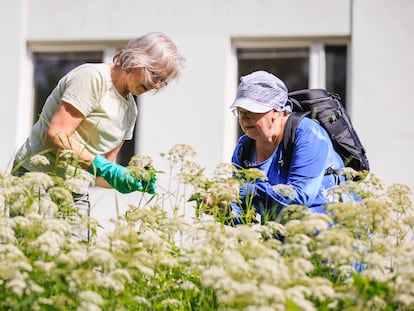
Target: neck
pixel 118 80
pixel 265 148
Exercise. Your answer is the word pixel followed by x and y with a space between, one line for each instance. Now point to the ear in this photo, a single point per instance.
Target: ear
pixel 276 114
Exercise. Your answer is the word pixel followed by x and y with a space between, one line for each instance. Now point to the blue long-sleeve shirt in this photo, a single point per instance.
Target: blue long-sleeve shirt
pixel 312 155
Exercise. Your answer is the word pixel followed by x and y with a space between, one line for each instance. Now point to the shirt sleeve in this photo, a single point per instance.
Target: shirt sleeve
pixel 309 161
pixel 82 88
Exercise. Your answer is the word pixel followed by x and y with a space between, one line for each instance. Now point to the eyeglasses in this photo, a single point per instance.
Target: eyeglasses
pixel 245 114
pixel 156 78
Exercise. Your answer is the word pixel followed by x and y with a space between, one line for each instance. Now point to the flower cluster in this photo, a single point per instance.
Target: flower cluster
pixel 359 256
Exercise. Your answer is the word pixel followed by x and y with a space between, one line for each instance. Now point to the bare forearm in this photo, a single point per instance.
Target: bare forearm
pixel 58 143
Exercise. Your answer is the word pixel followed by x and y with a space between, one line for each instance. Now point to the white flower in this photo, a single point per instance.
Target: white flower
pixel 302 266
pixel 407 299
pixel 223 171
pixel 272 307
pixel 58 226
pixel 3 208
pixel 88 306
pixel 153 240
pixel 44 266
pixel 235 262
pixel 21 221
pixel 118 245
pixel 7 235
pixel 189 286
pixel 17 286
pixel 142 301
pixel 337 253
pixel 34 288
pixel 175 303
pixel 323 292
pixel 145 270
pixel 102 258
pixel 271 293
pixel 74 257
pixel 116 280
pixel 39 181
pixel 39 160
pixel 90 296
pixel 272 269
pixel 211 275
pixel 49 243
pixel 78 180
pixel 297 295
pixel 296 250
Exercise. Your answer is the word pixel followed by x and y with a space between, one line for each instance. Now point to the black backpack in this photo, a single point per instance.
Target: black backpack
pixel 327 109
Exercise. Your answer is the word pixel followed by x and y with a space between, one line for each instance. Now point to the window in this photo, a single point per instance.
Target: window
pixel 49 67
pixel 336 64
pixel 290 65
pixel 316 65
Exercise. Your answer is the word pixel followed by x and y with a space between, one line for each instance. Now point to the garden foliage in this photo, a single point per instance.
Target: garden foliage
pixel 174 250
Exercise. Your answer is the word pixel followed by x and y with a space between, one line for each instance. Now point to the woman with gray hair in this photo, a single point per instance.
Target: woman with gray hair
pixel 263 110
pixel 92 111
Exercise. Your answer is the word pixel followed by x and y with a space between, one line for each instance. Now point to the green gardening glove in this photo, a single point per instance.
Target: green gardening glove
pixel 149 183
pixel 118 176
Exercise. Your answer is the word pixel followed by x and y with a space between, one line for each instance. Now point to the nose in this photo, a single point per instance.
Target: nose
pixel 157 85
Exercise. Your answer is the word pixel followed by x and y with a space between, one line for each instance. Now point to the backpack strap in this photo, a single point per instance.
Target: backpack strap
pixel 289 136
pixel 289 139
pixel 246 152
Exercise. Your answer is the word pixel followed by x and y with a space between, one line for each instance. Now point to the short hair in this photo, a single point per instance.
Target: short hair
pixel 154 51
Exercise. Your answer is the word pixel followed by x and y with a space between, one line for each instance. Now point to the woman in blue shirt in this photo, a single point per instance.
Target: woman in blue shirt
pixel 262 109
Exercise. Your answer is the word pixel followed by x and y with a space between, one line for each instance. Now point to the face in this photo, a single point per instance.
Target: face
pixel 259 126
pixel 141 80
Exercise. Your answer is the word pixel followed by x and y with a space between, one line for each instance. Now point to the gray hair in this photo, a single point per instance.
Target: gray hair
pixel 155 52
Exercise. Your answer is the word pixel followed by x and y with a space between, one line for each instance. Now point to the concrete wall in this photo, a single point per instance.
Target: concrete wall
pixel 381 83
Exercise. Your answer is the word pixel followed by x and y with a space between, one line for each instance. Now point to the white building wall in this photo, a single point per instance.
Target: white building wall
pixel 195 110
pixel 381 84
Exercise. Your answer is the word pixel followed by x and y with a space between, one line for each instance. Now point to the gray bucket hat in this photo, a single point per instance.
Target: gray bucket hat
pixel 261 92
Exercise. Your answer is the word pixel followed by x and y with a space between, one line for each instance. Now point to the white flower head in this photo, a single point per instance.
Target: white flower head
pixel 49 243
pixel 142 301
pixel 17 286
pixel 39 160
pixel 224 171
pixel 78 180
pixel 102 258
pixel 174 303
pixel 90 296
pixel 74 258
pixel 38 181
pixel 7 235
pixel 302 266
pixel 58 226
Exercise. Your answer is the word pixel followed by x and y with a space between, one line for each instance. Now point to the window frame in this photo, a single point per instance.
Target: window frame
pixel 316 46
pixel 317 56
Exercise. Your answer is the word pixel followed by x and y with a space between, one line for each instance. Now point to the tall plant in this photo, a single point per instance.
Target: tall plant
pixel 176 250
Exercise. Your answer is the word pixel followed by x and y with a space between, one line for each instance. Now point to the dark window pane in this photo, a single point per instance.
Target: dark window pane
pixel 128 149
pixel 290 65
pixel 336 64
pixel 50 67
